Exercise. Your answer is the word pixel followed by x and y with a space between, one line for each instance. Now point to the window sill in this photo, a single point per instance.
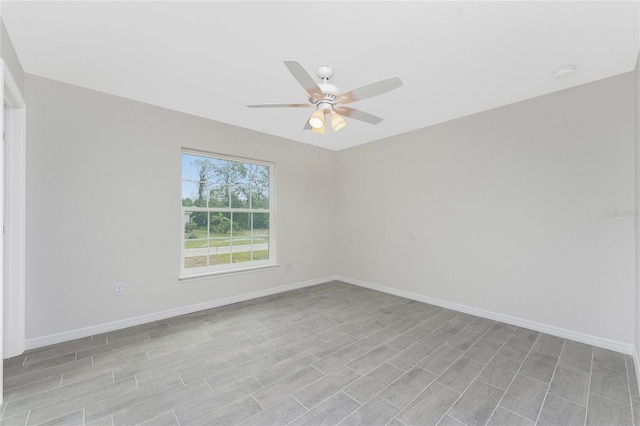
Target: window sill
pixel 207 275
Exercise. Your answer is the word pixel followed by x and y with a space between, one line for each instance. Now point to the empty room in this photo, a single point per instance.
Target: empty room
pixel 320 213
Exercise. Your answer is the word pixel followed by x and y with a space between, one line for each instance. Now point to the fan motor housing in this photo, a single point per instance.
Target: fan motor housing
pixel 327 106
pixel 329 89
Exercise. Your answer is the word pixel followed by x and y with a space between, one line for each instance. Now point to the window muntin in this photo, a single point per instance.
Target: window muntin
pixel 227 211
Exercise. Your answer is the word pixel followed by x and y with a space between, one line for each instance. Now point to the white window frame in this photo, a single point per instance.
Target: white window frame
pixel 187 274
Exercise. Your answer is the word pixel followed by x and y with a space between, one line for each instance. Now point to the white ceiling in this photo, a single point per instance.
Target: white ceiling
pixel 210 59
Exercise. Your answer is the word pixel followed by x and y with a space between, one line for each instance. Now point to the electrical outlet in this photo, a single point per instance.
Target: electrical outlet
pixel 448 276
pixel 118 289
pixel 403 268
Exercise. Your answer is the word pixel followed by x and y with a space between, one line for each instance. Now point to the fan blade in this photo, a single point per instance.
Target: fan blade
pixel 307 126
pixel 305 79
pixel 358 115
pixel 280 106
pixel 369 90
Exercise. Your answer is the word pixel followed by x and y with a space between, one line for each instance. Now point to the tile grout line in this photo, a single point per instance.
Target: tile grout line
pixel 205 382
pixel 546 394
pixel 230 403
pixel 616 371
pixel 302 405
pixel 396 419
pixel 626 364
pixel 220 408
pixel 323 377
pixel 568 400
pixel 474 379
pixel 438 376
pixel 479 373
pixel 516 414
pixel 401 376
pixel 586 415
pixel 612 400
pixel 434 380
pixel 173 411
pixel 516 374
pixel 341 422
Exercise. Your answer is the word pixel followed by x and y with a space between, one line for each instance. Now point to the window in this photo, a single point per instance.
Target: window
pixel 227 207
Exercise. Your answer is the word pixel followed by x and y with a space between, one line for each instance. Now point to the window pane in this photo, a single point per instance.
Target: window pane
pixel 214 238
pixel 220 239
pixel 260 236
pixel 208 239
pixel 196 239
pixel 227 175
pixel 241 227
pixel 241 240
pixel 248 243
pixel 189 193
pixel 195 229
pixel 259 186
pixel 194 193
pixel 218 195
pixel 196 172
pixel 239 195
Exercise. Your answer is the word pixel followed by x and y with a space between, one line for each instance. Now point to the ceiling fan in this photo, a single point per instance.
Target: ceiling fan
pixel 327 99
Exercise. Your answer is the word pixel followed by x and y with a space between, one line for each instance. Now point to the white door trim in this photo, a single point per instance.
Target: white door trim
pixel 14 107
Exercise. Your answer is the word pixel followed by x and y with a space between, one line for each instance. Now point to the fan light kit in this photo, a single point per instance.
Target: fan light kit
pixel 317 119
pixel 327 99
pixel 337 122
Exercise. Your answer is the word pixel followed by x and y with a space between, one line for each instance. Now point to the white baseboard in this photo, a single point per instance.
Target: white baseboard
pixel 636 364
pixel 519 322
pixel 143 319
pixel 600 342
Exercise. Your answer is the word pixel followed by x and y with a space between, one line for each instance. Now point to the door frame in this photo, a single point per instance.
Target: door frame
pixel 13 213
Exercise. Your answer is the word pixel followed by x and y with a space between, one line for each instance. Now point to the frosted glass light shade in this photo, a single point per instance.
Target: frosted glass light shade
pixel 337 122
pixel 316 120
pixel 320 131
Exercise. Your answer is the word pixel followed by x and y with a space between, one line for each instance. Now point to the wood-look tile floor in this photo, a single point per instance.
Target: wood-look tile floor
pixel 323 355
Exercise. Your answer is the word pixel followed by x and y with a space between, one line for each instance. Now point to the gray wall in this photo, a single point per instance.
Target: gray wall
pixel 513 201
pixel 103 206
pixel 8 54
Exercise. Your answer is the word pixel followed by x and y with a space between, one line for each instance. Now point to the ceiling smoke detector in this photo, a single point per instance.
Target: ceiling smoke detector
pixel 565 71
